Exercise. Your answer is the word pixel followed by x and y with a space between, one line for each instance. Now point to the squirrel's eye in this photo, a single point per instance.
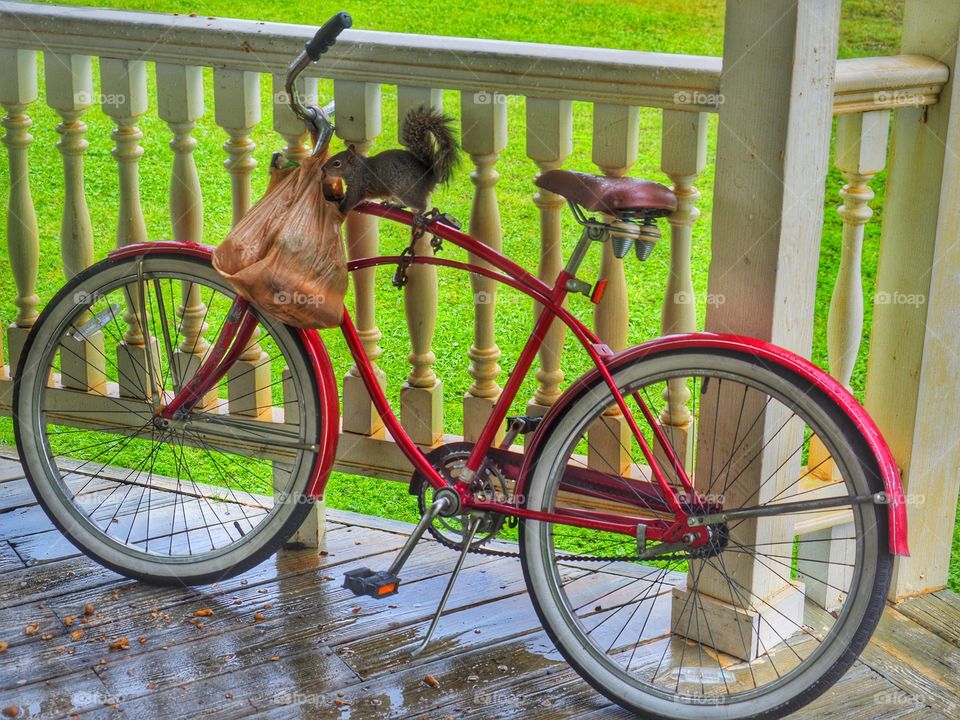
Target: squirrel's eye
pixel 337 163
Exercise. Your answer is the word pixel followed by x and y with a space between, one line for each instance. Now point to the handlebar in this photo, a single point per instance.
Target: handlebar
pixel 316 120
pixel 327 35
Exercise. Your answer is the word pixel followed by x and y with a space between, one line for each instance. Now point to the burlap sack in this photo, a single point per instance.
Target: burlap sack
pixel 286 254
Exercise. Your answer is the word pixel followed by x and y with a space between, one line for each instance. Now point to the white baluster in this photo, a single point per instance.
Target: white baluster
pixel 180 105
pixel 861 152
pixel 484 132
pixel 421 397
pixel 358 123
pixel 69 91
pixel 683 155
pixel 18 88
pixel 69 80
pixel 549 143
pixel 124 99
pixel 615 140
pixel 237 98
pixel 291 128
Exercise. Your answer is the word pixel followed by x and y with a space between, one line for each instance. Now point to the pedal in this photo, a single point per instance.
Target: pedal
pixel 364 581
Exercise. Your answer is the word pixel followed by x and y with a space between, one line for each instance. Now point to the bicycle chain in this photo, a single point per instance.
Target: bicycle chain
pixel 481 550
pixel 438 458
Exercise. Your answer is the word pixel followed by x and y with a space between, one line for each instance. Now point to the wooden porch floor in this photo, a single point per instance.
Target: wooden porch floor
pixel 285 641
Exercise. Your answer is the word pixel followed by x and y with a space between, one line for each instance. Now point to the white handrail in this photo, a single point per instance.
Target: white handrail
pixel 687 82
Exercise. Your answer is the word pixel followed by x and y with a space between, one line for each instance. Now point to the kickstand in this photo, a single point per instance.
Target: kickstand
pixel 467 542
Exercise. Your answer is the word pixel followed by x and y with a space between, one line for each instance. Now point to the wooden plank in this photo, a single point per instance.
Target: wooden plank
pixel 477 676
pixel 63 577
pixel 79 692
pixel 938 612
pixel 298 571
pixel 9 560
pixel 14 623
pixel 125 609
pixel 317 614
pixel 860 695
pixel 479 621
pixel 916 661
pixel 10 469
pixel 43 547
pixel 15 493
pixel 232 694
pixel 23 521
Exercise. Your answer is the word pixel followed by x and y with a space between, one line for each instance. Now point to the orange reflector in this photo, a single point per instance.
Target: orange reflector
pixel 387 589
pixel 598 290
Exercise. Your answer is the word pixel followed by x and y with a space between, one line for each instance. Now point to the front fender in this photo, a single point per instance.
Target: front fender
pixel 323 372
pixel 886 467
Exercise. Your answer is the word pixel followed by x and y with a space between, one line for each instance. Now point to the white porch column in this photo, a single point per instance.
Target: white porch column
pixel 914 348
pixel 772 154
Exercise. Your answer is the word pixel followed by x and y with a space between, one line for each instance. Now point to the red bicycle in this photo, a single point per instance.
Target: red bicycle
pixel 701 574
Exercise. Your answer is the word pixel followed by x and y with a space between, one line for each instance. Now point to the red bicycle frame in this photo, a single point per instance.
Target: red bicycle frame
pixel 658 495
pixel 239 325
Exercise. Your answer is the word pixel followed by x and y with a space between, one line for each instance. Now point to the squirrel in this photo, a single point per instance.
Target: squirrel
pixel 408 176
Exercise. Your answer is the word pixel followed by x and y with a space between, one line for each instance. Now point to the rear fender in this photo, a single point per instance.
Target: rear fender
pixel 317 352
pixel 884 465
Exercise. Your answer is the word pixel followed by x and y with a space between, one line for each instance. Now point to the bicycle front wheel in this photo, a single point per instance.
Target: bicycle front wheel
pixel 187 501
pixel 775 607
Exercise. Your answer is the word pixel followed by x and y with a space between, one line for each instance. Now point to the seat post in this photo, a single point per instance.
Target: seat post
pixel 593 231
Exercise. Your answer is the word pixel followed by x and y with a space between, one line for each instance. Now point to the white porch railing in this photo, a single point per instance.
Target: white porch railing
pixel 686 88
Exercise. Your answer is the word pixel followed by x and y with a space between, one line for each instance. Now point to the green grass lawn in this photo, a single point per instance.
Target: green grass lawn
pixel 868 27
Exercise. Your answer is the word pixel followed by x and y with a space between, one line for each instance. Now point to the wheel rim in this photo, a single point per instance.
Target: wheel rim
pixel 180 495
pixel 690 670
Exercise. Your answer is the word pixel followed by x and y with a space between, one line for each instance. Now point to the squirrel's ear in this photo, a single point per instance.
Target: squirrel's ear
pixel 352 149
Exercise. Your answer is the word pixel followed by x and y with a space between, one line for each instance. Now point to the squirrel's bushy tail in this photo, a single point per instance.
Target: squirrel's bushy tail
pixel 426 133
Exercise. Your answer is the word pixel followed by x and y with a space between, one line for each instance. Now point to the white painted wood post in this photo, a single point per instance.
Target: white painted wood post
pixel 123 97
pixel 484 136
pixel 549 143
pixel 18 88
pixel 291 129
pixel 915 341
pixel 768 215
pixel 616 133
pixel 358 123
pixel 180 105
pixel 683 154
pixel 236 95
pixel 69 91
pixel 421 397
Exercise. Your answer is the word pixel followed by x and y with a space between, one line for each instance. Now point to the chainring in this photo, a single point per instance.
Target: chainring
pixel 448 531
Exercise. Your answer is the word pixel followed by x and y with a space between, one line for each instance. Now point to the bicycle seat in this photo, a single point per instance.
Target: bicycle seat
pixel 610 195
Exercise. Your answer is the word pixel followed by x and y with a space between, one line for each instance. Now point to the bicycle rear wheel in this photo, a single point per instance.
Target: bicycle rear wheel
pixel 186 501
pixel 768 614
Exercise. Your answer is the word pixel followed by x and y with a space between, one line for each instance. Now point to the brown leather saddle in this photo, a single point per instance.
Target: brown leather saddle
pixel 609 195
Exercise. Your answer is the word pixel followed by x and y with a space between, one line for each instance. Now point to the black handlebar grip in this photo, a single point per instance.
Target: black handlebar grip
pixel 327 35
